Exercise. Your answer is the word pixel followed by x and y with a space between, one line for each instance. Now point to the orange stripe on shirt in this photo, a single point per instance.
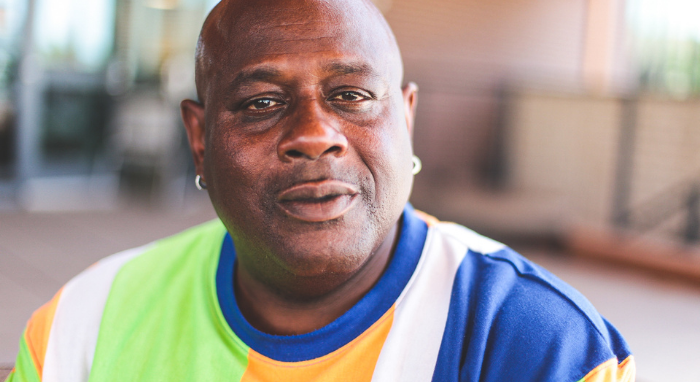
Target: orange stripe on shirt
pixel 38 330
pixel 430 220
pixel 353 362
pixel 610 371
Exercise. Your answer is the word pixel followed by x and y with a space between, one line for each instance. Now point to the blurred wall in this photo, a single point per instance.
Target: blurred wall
pixel 569 146
pixel 565 146
pixel 462 52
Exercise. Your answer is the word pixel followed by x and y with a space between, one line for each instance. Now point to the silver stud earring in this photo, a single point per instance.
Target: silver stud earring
pixel 417 165
pixel 198 182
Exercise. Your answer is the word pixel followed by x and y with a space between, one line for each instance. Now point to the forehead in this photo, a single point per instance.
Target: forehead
pixel 281 31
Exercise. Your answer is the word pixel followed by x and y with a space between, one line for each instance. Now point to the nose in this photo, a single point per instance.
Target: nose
pixel 311 135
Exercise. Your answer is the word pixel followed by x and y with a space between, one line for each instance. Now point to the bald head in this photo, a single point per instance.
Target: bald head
pixel 236 32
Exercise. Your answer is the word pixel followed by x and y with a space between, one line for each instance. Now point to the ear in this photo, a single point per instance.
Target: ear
pixel 410 100
pixel 193 116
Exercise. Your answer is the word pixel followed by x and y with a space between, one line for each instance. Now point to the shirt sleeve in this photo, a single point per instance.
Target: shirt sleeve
pixel 539 333
pixel 33 344
pixel 511 320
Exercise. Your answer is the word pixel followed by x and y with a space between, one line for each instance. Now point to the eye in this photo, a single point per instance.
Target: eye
pixel 262 104
pixel 349 96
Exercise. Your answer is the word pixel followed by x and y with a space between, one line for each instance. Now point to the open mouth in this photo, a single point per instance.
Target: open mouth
pixel 318 201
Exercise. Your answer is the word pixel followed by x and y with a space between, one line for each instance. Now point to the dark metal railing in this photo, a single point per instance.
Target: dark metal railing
pixel 683 197
pixel 651 213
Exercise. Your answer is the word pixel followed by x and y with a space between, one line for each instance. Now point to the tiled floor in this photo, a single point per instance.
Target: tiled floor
pixel 40 252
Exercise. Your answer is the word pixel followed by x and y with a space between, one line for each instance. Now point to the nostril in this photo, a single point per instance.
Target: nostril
pixel 334 150
pixel 295 154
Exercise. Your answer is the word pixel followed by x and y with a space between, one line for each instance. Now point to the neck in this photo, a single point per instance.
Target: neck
pixel 292 312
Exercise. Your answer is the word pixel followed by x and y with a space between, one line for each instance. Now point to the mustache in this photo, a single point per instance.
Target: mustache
pixel 306 172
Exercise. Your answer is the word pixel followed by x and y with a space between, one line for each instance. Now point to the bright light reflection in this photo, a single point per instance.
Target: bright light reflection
pixel 13 15
pixel 674 18
pixel 82 30
pixel 211 4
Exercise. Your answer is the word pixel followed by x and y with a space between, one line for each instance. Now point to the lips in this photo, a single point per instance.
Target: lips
pixel 318 201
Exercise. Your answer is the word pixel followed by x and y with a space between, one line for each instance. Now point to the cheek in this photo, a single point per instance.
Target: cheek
pixel 234 164
pixel 387 152
pixel 401 167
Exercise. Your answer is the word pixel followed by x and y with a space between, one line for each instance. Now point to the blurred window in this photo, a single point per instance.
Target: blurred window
pixel 76 33
pixel 667 44
pixel 12 14
pixel 11 18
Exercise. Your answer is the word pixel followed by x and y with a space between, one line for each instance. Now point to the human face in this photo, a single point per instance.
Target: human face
pixel 304 137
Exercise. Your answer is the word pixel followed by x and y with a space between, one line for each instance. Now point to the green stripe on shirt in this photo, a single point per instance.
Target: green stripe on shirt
pixel 163 316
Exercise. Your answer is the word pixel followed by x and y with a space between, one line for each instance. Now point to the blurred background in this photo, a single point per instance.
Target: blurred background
pixel 569 129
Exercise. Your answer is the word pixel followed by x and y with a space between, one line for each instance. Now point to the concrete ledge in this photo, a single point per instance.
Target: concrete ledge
pixel 506 216
pixel 666 258
pixel 70 193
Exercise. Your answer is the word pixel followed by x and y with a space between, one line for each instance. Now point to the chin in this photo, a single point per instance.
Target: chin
pixel 329 248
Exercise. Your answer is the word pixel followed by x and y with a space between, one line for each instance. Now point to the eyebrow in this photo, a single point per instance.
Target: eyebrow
pixel 261 74
pixel 349 68
pixel 270 74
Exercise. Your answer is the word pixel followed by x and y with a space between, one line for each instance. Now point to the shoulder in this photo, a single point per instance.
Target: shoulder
pixel 506 310
pixel 148 261
pixel 63 333
pixel 514 284
pixel 138 269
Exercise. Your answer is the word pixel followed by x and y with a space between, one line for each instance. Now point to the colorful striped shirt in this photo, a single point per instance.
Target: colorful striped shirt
pixel 451 306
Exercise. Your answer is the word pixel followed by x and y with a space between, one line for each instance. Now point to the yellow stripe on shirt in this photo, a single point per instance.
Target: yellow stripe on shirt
pixel 610 371
pixel 353 362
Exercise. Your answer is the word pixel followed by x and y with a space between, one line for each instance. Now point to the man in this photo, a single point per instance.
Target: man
pixel 320 270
